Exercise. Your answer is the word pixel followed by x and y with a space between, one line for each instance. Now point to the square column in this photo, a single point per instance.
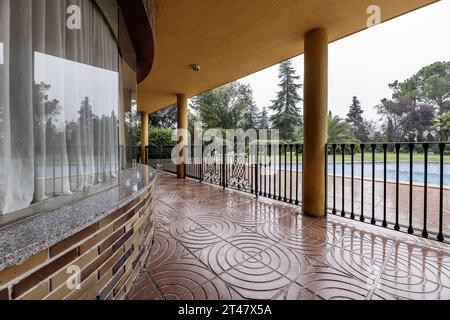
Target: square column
pixel 315 123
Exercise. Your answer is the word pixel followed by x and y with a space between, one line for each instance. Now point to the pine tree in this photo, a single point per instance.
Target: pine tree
pixel 287 113
pixel 354 116
pixel 264 119
pixel 251 117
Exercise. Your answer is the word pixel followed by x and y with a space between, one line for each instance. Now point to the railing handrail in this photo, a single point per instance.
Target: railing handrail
pixel 273 171
pixel 388 143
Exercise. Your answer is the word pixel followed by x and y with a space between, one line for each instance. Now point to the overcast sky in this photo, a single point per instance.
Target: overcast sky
pixel 365 63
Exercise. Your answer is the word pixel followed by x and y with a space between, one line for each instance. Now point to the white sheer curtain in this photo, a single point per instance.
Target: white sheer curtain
pixel 58 101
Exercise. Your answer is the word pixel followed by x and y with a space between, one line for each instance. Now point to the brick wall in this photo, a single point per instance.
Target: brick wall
pixel 109 255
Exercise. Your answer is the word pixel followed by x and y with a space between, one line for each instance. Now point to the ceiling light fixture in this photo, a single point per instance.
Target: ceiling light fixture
pixel 196 67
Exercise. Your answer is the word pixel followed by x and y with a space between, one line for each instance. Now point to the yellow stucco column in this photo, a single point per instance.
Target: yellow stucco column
pixel 144 136
pixel 315 122
pixel 182 120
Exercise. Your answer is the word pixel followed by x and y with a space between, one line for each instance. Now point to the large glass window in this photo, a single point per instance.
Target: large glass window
pixel 59 100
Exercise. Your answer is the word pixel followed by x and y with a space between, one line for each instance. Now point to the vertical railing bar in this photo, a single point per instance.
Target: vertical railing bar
pixel 256 168
pixel 397 187
pixel 265 170
pixel 275 153
pixel 297 150
pixel 362 218
pixel 251 149
pixel 352 215
pixel 279 173
pixel 247 170
pixel 270 171
pixel 194 162
pixel 202 162
pixel 385 147
pixel 291 149
pixel 343 214
pixel 198 162
pixel 373 221
pixel 326 176
pixel 285 173
pixel 441 193
pixel 229 161
pixel 425 188
pixel 334 147
pixel 224 148
pixel 261 182
pixel 411 187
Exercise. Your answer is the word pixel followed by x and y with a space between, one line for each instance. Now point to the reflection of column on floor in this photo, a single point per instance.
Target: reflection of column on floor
pixel 269 185
pixel 418 202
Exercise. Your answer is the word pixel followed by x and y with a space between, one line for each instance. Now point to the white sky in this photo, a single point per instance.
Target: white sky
pixel 365 63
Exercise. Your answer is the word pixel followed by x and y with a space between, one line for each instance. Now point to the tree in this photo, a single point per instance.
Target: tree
pixel 165 118
pixel 354 116
pixel 287 113
pixel 338 130
pixel 358 127
pixel 223 107
pixel 443 125
pixel 408 116
pixel 433 85
pixel 264 119
pixel 251 119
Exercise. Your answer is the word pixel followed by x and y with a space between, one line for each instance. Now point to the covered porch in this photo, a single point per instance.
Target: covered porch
pixel 214 244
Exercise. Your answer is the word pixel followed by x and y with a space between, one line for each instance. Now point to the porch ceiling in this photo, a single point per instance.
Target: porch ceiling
pixel 230 39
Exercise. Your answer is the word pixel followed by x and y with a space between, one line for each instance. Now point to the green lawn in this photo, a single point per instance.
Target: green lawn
pixel 392 156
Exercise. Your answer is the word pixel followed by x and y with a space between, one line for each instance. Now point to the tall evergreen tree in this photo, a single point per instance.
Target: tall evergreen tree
pixel 264 119
pixel 287 113
pixel 251 117
pixel 354 116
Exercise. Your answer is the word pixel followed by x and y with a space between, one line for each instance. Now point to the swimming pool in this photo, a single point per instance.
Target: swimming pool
pixel 418 171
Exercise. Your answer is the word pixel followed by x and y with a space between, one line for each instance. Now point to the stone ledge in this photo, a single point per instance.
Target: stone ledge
pixel 34 253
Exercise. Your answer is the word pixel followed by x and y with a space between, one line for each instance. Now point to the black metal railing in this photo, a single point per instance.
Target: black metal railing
pixel 401 186
pixel 265 170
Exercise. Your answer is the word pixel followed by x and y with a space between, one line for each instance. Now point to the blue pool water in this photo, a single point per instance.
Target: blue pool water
pixel 418 172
